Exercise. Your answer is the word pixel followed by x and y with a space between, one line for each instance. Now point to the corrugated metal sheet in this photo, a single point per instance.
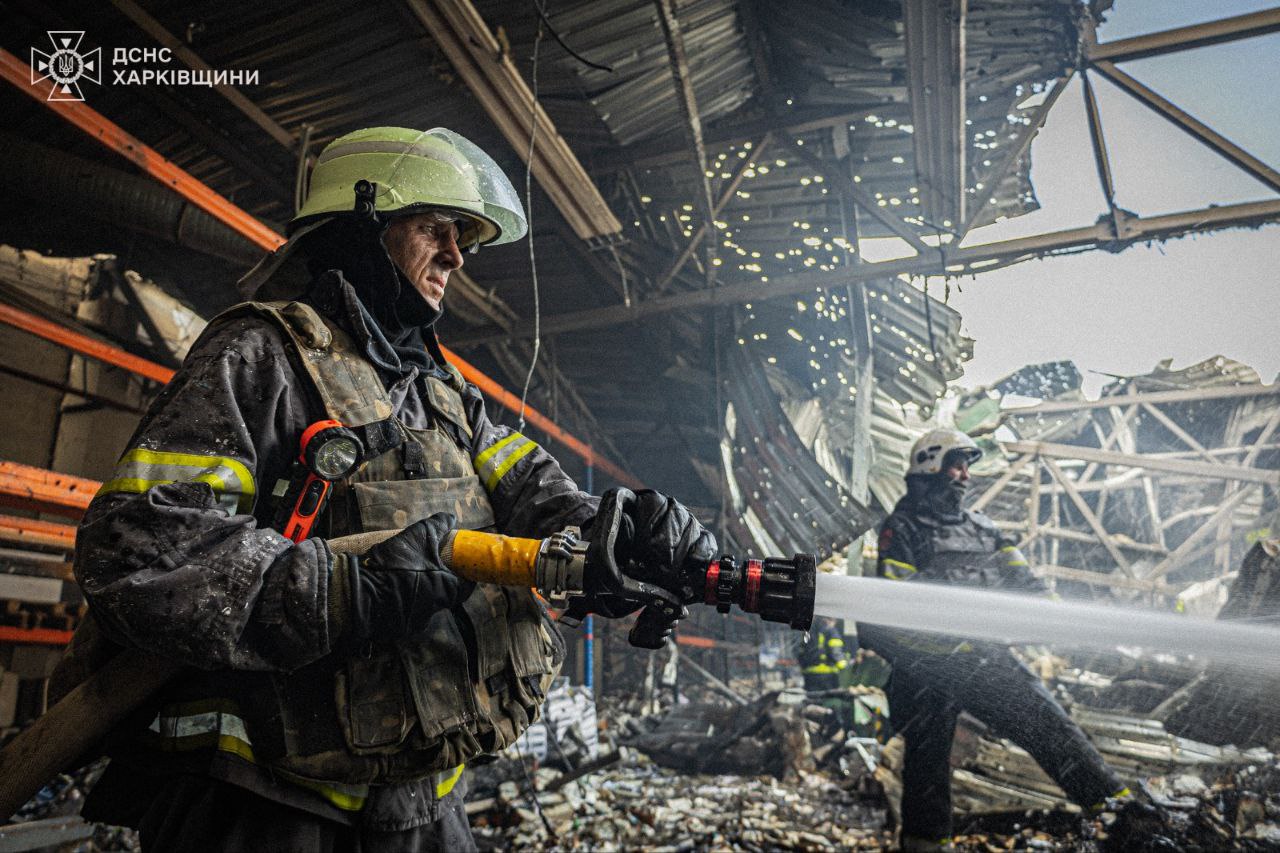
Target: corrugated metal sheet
pixel 340 64
pixel 636 99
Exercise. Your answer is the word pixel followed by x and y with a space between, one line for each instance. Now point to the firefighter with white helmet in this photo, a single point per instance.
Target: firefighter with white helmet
pixel 931 538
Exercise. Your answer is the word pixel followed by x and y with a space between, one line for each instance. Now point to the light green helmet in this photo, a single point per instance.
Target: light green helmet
pixel 416 170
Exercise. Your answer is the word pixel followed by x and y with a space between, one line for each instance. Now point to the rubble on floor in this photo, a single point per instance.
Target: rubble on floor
pixel 790 771
pixel 637 804
pixel 52 817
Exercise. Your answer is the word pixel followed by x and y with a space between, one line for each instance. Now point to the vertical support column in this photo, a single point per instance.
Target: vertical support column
pixel 589 624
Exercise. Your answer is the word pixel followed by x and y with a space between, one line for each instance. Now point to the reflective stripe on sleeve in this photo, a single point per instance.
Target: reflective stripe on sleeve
pixel 140 469
pixel 1015 556
pixel 896 570
pixel 495 461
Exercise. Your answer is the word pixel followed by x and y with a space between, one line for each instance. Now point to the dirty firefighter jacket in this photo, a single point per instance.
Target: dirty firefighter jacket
pixel 175 557
pixel 935 676
pixel 916 545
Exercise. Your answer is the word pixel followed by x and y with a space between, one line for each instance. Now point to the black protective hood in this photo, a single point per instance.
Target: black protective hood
pixel 937 495
pixel 397 322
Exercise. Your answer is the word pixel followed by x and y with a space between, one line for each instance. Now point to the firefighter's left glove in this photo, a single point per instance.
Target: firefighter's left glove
pixel 395 587
pixel 663 544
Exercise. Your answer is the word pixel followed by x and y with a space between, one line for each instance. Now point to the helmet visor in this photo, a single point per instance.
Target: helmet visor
pixel 501 204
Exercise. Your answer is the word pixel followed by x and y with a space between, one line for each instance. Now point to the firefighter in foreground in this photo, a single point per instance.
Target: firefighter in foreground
pixel 931 538
pixel 333 700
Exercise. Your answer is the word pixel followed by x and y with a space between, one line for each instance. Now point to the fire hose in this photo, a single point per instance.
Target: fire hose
pixel 558 567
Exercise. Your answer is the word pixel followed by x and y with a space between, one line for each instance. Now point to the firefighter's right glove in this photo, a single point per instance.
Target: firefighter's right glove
pixel 662 543
pixel 395 587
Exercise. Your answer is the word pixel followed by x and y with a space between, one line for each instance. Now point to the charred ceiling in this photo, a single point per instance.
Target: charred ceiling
pixel 822 124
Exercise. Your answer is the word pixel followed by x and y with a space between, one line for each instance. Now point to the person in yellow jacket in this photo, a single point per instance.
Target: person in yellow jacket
pixel 823 657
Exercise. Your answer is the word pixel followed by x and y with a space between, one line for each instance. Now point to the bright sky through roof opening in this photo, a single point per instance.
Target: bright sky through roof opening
pixel 1187 299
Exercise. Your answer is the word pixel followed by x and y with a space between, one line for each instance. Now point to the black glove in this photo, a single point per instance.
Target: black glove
pixel 661 542
pixel 398 585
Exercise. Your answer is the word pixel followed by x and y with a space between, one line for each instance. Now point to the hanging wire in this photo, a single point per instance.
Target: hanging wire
pixel 622 274
pixel 542 13
pixel 528 195
pixel 531 790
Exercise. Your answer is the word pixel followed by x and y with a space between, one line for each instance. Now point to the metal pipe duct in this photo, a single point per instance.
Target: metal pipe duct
pixel 74 186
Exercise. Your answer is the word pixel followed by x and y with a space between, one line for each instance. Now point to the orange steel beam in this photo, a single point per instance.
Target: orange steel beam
pixel 541 421
pixel 150 161
pixel 92 347
pixel 37 636
pixel 31 531
pixel 46 491
pixel 114 137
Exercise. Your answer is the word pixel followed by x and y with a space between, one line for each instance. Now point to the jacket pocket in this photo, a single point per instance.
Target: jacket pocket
pixel 437 665
pixel 373 702
pixel 395 504
pixel 537 650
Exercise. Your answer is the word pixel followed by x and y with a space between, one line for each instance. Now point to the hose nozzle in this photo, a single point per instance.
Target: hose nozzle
pixel 777 589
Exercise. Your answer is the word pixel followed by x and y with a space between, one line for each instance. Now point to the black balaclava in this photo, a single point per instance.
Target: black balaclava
pixel 398 320
pixel 937 494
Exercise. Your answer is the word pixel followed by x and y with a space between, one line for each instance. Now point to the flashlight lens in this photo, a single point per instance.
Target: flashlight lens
pixel 336 457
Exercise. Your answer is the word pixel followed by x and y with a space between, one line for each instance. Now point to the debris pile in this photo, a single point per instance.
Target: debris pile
pixel 52 817
pixel 638 804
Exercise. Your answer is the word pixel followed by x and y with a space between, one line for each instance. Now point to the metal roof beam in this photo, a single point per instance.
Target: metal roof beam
pixel 1234 473
pixel 935 43
pixel 1187 38
pixel 1189 124
pixel 156 30
pixel 689 106
pixel 1188 395
pixel 856 196
pixel 953 262
pixel 726 193
pixel 488 71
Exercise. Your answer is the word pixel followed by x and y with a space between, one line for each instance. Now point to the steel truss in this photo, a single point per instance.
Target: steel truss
pixel 1117 229
pixel 1031 497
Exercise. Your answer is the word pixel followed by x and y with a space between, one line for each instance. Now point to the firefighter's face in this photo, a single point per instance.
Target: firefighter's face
pixel 957 472
pixel 425 248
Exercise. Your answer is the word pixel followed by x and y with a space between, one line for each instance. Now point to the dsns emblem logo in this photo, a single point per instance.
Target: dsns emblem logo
pixel 66 65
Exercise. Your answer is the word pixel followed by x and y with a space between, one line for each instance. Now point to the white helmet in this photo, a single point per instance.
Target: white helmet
pixel 927 453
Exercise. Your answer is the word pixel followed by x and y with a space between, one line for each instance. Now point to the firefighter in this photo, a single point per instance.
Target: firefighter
pixel 931 538
pixel 823 657
pixel 332 701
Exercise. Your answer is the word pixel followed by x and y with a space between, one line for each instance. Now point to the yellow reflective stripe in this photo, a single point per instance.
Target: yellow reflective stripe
pixel 493 464
pixel 501 470
pixel 199 725
pixel 232 744
pixel 140 469
pixel 835 641
pixel 351 800
pixel 444 786
pixel 896 570
pixel 493 449
pixel 821 669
